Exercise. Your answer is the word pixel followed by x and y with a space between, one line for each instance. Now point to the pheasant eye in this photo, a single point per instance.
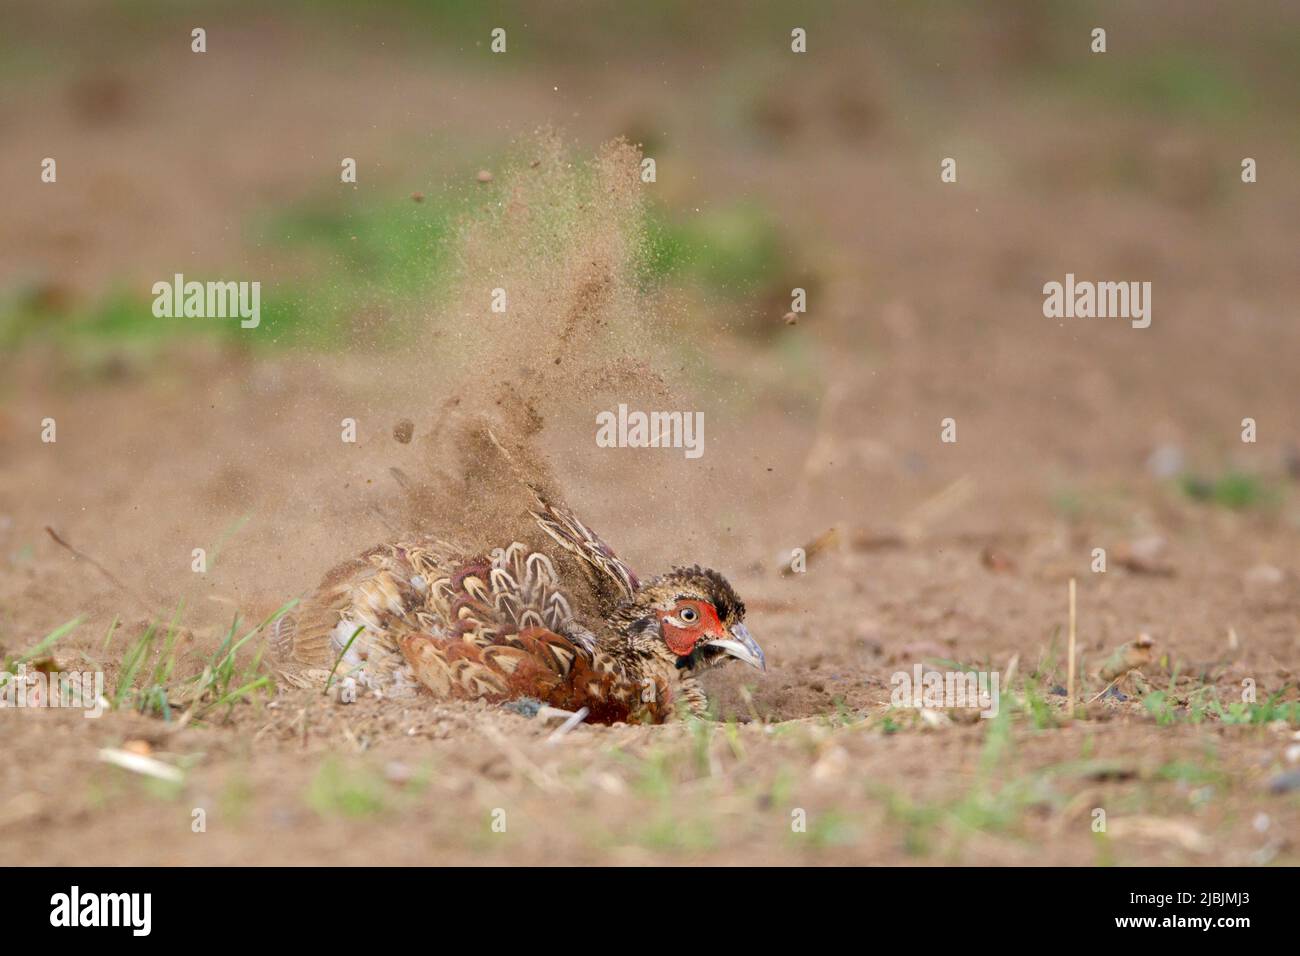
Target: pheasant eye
pixel 689 615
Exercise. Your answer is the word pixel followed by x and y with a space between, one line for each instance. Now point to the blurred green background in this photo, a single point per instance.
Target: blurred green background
pixel 171 161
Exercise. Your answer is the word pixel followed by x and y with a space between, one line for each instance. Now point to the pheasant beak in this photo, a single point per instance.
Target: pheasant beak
pixel 741 646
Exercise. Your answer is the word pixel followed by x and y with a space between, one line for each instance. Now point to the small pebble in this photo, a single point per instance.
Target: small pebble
pixel 1166 462
pixel 1264 575
pixel 1285 782
pixel 398 772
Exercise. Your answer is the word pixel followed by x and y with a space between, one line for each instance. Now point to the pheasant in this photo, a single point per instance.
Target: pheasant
pixel 573 628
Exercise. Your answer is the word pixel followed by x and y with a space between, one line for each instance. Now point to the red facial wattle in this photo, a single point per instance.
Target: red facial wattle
pixel 681 640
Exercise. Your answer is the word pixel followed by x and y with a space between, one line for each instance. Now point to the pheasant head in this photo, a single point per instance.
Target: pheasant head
pixel 691 618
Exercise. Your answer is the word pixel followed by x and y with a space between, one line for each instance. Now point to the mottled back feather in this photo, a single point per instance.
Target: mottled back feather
pixel 495 627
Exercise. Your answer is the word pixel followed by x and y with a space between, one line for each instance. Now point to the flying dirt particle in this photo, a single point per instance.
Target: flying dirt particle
pixel 566 243
pixel 484 176
pixel 791 318
pixel 403 431
pixel 417 197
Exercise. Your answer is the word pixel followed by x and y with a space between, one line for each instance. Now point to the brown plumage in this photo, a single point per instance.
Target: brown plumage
pixel 569 626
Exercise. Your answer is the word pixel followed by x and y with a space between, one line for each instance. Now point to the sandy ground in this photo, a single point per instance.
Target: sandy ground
pixel 925 304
